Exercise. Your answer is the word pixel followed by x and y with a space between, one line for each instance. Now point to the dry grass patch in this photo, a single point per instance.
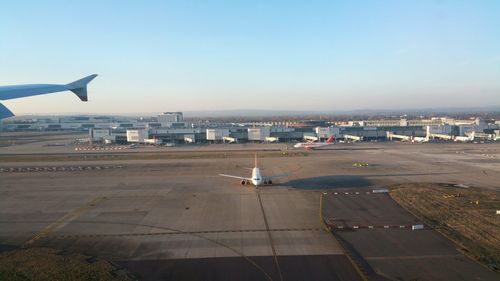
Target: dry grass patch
pixel 49 264
pixel 465 215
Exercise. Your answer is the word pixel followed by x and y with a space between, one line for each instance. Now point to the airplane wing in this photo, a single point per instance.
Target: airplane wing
pixel 5 112
pixel 236 177
pixel 78 87
pixel 277 176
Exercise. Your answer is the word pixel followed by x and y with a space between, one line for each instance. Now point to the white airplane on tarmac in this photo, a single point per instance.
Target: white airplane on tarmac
pixel 314 145
pixel 469 138
pixel 420 139
pixel 257 179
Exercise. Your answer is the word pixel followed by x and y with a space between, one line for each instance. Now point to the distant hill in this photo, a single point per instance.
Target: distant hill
pixel 268 113
pixel 291 113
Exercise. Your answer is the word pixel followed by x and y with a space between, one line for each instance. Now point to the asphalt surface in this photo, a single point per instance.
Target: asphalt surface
pixel 317 267
pixel 151 215
pixel 391 248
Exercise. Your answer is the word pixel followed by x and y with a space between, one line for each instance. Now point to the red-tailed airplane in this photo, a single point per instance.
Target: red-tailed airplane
pixel 314 145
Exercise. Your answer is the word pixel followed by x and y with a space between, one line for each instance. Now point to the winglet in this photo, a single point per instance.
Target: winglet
pixel 79 87
pixel 5 112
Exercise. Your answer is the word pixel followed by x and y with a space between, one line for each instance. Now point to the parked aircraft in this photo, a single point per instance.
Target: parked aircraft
pixel 423 139
pixel 78 87
pixel 314 145
pixel 469 138
pixel 257 178
pixel 420 139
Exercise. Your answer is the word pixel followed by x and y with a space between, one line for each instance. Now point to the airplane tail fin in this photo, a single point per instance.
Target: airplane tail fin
pixel 79 87
pixel 255 160
pixel 5 112
pixel 330 139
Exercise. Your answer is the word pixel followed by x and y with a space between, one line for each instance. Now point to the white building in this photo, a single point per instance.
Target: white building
pixel 166 131
pixel 383 123
pixel 138 136
pixel 99 134
pixel 440 129
pixel 171 119
pixel 427 122
pixel 280 129
pixel 324 133
pixel 153 141
pixel 464 130
pixel 259 134
pixel 70 126
pixel 217 134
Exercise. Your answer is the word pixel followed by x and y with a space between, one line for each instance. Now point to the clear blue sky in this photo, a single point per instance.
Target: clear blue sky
pixel 155 56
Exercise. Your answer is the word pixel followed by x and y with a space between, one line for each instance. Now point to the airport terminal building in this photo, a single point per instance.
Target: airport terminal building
pixel 171 128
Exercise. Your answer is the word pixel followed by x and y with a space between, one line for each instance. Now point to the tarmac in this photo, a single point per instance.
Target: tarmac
pixel 378 233
pixel 175 219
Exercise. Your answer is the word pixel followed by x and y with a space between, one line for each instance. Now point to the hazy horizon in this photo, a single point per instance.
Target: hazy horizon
pixel 282 113
pixel 160 56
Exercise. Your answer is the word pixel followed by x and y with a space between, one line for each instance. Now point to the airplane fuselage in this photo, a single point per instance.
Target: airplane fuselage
pixel 420 139
pixel 313 145
pixel 310 145
pixel 256 177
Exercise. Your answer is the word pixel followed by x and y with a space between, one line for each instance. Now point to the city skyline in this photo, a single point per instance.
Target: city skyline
pixel 283 55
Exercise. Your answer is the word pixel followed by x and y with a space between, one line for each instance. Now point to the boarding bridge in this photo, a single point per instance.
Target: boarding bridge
pixel 464 139
pixel 353 138
pixel 392 136
pixel 310 138
pixel 189 139
pixel 483 136
pixel 469 138
pixel 441 136
pixel 272 139
pixel 153 141
pixel 229 140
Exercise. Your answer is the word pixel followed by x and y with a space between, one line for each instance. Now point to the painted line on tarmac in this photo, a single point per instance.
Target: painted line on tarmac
pixel 89 148
pixel 271 242
pixel 414 257
pixel 375 191
pixel 351 227
pixel 56 169
pixel 357 267
pixel 63 221
pixel 183 232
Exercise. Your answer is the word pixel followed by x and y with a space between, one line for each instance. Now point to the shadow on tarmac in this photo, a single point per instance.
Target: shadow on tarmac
pixel 346 181
pixel 330 182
